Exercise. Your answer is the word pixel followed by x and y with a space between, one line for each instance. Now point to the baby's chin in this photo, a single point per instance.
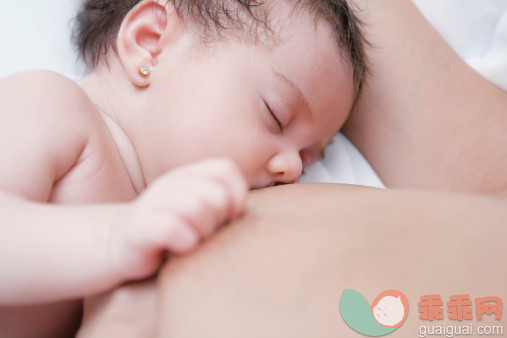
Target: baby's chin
pixel 262 186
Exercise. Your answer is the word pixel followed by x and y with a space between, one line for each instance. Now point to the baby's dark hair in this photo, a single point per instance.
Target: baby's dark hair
pixel 97 24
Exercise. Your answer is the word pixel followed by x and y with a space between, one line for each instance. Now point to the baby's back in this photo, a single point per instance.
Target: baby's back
pixel 55 149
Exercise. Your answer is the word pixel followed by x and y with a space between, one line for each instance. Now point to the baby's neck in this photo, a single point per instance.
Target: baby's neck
pixel 127 153
pixel 102 95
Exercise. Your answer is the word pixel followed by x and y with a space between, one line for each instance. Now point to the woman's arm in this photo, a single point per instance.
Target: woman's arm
pixel 281 270
pixel 425 118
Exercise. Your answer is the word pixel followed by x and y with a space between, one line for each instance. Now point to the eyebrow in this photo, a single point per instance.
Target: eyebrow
pixel 298 94
pixel 295 92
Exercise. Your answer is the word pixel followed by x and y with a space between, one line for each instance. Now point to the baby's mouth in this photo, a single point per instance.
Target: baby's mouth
pixel 264 186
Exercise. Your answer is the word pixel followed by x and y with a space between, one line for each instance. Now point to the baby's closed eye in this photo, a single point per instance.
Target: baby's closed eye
pixel 274 117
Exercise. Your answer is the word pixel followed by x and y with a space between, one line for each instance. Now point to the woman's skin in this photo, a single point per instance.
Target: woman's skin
pixel 281 270
pixel 425 121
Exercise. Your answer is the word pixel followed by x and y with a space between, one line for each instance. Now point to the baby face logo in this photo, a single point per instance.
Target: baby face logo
pixel 387 312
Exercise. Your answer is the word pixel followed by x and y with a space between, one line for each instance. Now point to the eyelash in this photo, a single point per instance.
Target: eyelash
pixel 273 115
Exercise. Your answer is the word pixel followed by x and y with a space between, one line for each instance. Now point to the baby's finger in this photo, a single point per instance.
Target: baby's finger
pixel 226 172
pixel 215 205
pixel 138 241
pixel 201 202
pixel 171 232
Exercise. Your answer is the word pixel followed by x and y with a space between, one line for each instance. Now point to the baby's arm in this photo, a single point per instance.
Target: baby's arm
pixel 54 252
pixel 50 252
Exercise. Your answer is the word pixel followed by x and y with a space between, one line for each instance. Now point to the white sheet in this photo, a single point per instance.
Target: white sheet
pixel 476 30
pixel 342 163
pixel 35 34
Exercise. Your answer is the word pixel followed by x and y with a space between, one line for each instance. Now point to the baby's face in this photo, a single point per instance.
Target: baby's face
pixel 272 111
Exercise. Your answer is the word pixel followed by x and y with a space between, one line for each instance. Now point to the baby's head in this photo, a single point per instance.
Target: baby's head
pixel 267 84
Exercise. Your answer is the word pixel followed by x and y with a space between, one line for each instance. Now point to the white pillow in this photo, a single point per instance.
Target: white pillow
pixel 35 34
pixel 342 163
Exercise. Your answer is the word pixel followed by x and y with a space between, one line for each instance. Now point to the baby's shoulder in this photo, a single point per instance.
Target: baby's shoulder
pixel 48 122
pixel 46 95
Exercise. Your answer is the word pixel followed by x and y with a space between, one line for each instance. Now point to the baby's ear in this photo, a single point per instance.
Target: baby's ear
pixel 142 35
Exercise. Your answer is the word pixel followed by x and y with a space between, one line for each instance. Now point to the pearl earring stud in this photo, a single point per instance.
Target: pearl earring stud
pixel 144 71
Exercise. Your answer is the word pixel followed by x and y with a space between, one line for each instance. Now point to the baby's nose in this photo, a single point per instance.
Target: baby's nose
pixel 285 167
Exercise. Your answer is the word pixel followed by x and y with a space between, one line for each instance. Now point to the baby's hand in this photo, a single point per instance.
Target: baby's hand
pixel 174 213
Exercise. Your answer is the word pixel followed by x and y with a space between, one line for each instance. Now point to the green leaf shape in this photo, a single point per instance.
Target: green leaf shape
pixel 356 312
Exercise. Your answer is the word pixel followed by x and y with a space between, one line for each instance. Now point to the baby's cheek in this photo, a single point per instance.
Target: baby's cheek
pixel 252 171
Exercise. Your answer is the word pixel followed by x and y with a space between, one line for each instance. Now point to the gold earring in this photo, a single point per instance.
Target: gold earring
pixel 144 71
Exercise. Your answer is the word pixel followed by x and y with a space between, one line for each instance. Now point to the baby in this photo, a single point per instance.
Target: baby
pixel 188 105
